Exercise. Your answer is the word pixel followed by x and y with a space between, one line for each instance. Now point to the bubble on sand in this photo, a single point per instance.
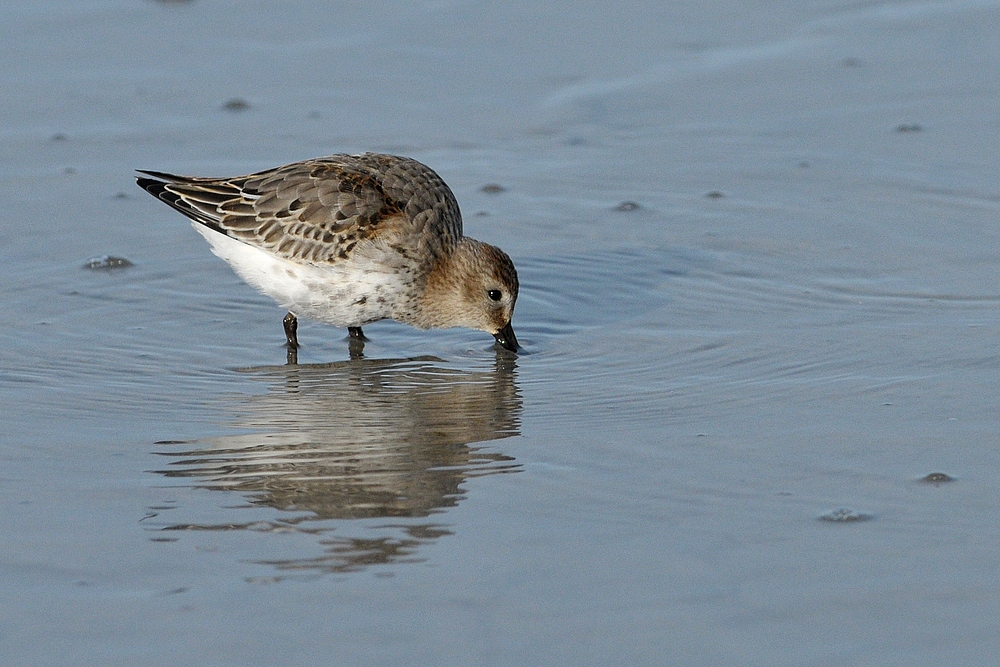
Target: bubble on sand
pixel 846 515
pixel 107 262
pixel 937 478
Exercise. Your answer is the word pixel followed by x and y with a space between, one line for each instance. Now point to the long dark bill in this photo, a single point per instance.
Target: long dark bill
pixel 506 338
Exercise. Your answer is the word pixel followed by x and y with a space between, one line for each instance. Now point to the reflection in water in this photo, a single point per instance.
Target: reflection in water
pixel 360 439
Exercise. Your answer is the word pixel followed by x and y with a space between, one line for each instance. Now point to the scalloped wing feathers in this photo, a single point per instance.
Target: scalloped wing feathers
pixel 319 211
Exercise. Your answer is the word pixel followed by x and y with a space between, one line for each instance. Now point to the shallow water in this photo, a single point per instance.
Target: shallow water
pixel 712 448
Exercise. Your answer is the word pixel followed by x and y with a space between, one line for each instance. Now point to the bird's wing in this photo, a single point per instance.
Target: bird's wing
pixel 318 211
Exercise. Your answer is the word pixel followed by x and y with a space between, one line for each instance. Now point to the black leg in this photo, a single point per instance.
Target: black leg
pixel 291 326
pixel 356 333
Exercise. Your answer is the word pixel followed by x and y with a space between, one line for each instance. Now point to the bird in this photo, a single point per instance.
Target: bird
pixel 349 240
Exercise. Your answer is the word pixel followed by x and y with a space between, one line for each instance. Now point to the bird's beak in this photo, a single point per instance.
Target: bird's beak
pixel 506 338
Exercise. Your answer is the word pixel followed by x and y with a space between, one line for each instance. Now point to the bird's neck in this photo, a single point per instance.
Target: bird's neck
pixel 444 301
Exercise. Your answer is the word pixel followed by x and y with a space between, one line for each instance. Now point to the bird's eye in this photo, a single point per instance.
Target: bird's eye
pixel 495 294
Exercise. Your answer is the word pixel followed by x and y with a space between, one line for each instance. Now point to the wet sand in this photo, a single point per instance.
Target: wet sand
pixel 758 251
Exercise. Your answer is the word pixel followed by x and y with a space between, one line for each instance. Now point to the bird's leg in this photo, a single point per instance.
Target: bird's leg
pixel 356 342
pixel 356 348
pixel 291 326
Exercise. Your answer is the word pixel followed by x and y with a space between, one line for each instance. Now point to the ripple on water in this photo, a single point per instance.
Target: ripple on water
pixel 567 294
pixel 679 335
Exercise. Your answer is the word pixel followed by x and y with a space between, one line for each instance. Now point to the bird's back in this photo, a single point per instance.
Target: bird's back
pixel 319 211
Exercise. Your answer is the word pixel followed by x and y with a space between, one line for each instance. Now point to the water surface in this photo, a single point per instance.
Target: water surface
pixel 758 254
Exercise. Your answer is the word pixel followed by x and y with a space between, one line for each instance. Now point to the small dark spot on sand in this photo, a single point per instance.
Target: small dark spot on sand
pixel 714 194
pixel 626 206
pixel 803 165
pixel 69 171
pixel 236 105
pixel 937 478
pixel 59 136
pixel 173 442
pixel 164 539
pixel 121 195
pixel 481 214
pixel 852 62
pixel 107 262
pixel 492 188
pixel 845 515
pixel 313 115
pixel 909 127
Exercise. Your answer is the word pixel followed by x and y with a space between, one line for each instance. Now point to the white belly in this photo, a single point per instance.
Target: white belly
pixel 351 294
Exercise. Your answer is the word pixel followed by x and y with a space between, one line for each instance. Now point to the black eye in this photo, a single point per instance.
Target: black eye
pixel 495 294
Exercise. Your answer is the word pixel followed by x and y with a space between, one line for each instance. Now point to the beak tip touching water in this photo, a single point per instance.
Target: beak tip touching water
pixel 505 337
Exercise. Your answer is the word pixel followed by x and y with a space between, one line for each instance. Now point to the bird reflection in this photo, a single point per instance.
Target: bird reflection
pixel 360 439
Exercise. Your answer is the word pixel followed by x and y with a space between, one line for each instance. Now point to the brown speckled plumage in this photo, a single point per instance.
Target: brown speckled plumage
pixel 319 210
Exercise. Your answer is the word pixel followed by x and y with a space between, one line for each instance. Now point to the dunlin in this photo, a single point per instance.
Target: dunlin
pixel 349 240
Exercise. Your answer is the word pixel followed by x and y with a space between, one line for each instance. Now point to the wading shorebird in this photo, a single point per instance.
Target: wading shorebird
pixel 349 240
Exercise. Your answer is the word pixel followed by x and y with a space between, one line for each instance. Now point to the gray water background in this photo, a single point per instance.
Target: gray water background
pixel 758 249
